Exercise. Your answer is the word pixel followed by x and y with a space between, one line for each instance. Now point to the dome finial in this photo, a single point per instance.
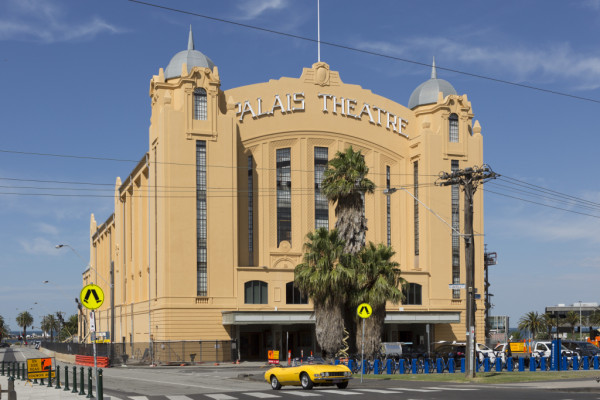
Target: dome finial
pixel 191 40
pixel 433 70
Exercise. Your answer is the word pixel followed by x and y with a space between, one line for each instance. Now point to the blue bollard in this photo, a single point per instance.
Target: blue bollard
pixel 564 365
pixel 498 364
pixel 486 365
pixel 414 366
pixel 510 364
pixel 451 366
pixel 440 369
pixel 426 364
pixel 532 361
pixel 336 362
pixel 575 363
pixel 388 366
pixel 351 364
pixel 376 367
pixel 596 363
pixel 401 365
pixel 521 364
pixel 462 365
pixel 586 363
pixel 365 367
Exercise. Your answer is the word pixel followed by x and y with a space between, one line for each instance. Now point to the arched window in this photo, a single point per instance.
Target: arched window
pixel 412 294
pixel 200 104
pixel 256 292
pixel 453 128
pixel 293 296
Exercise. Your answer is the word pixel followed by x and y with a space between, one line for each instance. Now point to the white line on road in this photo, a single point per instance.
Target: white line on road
pixel 377 391
pixel 301 393
pixel 220 396
pixel 415 390
pixel 179 397
pixel 344 392
pixel 261 395
pixel 450 388
pixel 138 397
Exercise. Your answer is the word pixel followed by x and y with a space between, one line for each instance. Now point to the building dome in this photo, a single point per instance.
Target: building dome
pixel 193 58
pixel 427 92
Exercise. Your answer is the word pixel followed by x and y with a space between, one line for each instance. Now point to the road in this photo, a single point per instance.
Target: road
pixel 230 382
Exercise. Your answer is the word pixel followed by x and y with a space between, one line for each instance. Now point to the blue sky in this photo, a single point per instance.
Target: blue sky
pixel 76 80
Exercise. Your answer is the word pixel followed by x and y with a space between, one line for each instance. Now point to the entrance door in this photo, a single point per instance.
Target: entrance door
pixel 251 344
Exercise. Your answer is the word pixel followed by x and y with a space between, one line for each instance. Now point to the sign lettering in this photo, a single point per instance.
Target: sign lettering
pixel 295 102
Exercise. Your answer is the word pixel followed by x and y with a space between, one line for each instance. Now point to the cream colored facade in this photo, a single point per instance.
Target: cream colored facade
pixel 149 246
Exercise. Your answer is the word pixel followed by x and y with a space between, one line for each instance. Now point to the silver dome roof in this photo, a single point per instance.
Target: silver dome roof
pixel 193 58
pixel 427 92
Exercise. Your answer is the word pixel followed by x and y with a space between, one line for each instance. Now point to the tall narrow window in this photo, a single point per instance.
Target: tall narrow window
pixel 256 292
pixel 388 206
pixel 416 205
pixel 200 103
pixel 201 252
pixel 412 294
pixel 455 234
pixel 321 203
pixel 453 128
pixel 293 296
pixel 284 196
pixel 250 208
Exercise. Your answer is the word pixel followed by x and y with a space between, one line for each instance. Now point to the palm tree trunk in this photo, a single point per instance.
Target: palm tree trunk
pixel 329 326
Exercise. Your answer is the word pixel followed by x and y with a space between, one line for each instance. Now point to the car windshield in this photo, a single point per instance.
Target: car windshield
pixel 483 347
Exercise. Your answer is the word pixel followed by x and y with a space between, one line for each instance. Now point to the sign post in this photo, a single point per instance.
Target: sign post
pixel 92 297
pixel 364 311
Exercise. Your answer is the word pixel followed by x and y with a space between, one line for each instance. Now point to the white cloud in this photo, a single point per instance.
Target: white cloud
pixel 550 63
pixel 39 246
pixel 254 8
pixel 46 21
pixel 47 228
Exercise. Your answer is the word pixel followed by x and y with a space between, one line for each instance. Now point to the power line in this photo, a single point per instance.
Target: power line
pixel 373 53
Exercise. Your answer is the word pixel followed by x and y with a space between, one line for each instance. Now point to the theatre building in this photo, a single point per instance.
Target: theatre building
pixel 208 227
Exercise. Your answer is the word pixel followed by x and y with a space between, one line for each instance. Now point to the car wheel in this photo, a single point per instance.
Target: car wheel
pixel 342 385
pixel 305 381
pixel 275 385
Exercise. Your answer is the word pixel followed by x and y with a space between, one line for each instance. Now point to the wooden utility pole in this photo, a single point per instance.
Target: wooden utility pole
pixel 468 179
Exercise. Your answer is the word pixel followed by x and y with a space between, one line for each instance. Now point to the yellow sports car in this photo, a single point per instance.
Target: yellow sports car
pixel 312 372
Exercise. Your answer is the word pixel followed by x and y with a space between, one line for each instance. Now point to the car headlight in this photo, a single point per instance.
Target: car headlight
pixel 347 373
pixel 324 374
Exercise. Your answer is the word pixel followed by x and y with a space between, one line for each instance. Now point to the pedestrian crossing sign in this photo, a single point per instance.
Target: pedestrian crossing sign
pixel 91 297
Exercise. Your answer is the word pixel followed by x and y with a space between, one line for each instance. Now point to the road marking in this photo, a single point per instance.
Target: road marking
pixel 261 395
pixel 450 388
pixel 220 396
pixel 415 390
pixel 178 398
pixel 301 393
pixel 138 397
pixel 377 391
pixel 345 392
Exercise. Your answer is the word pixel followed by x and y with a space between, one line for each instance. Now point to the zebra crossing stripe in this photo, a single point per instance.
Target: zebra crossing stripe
pixel 261 395
pixel 220 396
pixel 450 388
pixel 302 393
pixel 138 397
pixel 402 389
pixel 377 391
pixel 178 397
pixel 343 392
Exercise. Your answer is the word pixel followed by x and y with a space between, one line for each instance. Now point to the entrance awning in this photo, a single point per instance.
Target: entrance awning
pixel 307 317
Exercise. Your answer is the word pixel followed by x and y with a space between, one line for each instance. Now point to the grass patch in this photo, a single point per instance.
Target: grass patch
pixel 489 377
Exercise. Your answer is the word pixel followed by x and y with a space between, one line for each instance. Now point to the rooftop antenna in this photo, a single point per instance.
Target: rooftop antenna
pixel 433 70
pixel 319 30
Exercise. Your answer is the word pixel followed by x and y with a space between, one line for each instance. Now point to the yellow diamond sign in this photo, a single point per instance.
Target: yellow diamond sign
pixel 91 297
pixel 364 310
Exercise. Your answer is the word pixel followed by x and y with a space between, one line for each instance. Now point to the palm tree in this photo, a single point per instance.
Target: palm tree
pixel 345 183
pixel 70 326
pixel 325 278
pixel 24 319
pixel 3 328
pixel 377 281
pixel 532 322
pixel 572 318
pixel 49 325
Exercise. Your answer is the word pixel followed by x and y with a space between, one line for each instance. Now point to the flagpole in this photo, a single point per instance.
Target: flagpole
pixel 319 30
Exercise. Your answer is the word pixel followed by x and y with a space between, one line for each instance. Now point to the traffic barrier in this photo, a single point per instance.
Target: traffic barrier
pixel 81 382
pixel 74 380
pixel 12 394
pixel 67 388
pixel 100 388
pixel 586 363
pixel 389 366
pixel 88 361
pixel 451 365
pixel 90 395
pixel 57 378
